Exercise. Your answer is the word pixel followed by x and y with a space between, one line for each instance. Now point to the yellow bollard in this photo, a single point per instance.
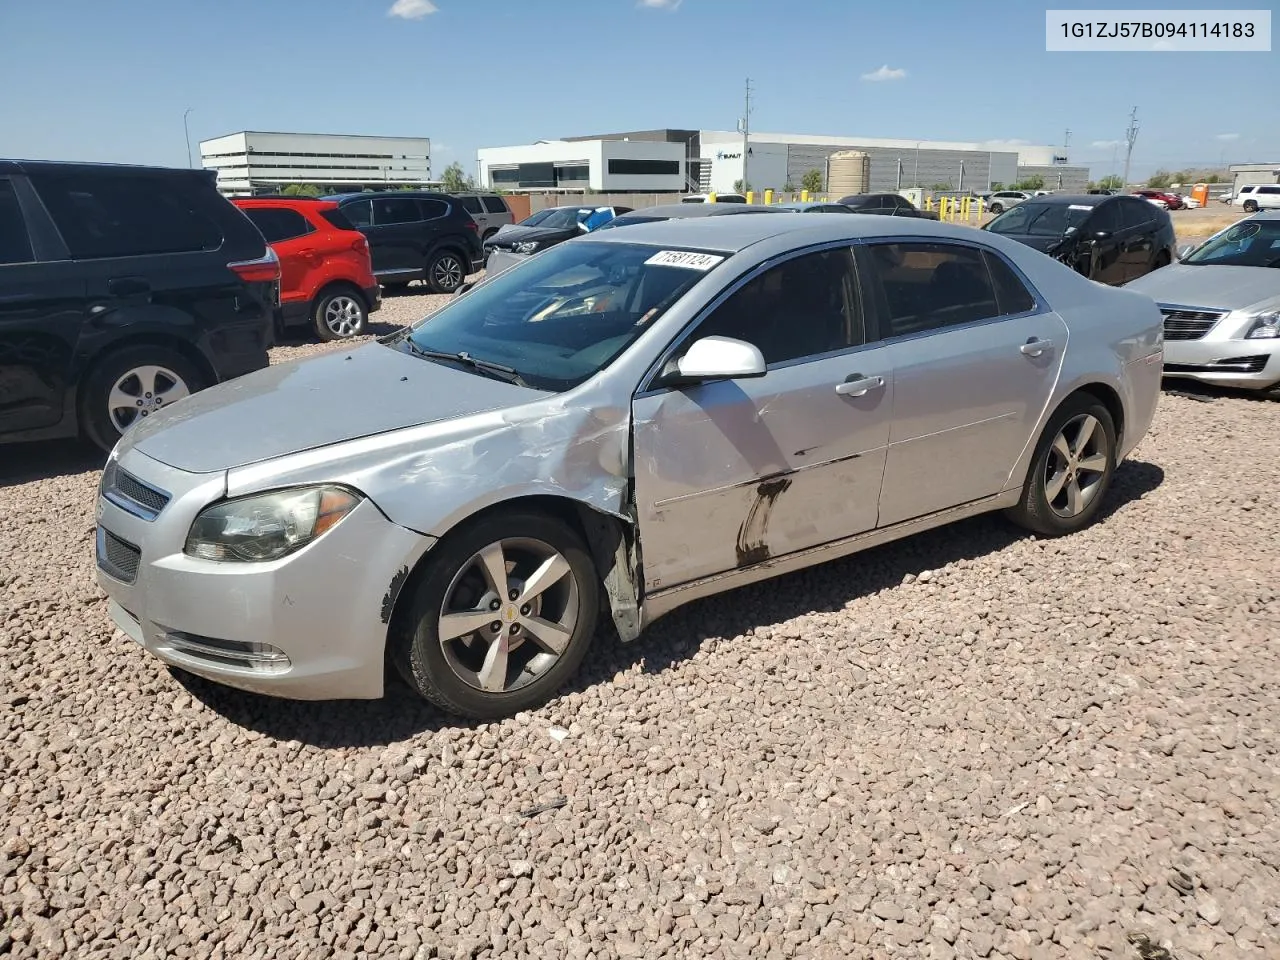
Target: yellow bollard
pixel 942 209
pixel 751 196
pixel 711 197
pixel 804 196
pixel 768 197
pixel 980 206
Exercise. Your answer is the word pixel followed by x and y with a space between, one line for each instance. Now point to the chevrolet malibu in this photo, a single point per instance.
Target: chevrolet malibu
pixel 1221 306
pixel 625 423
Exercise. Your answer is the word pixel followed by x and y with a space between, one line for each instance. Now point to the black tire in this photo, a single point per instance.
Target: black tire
pixel 1251 206
pixel 419 655
pixel 997 208
pixel 446 271
pixel 154 366
pixel 340 313
pixel 1035 511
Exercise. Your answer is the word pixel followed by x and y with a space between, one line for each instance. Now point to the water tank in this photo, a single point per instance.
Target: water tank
pixel 848 171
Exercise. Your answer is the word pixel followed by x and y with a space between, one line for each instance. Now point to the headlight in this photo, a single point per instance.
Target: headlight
pixel 1265 327
pixel 267 526
pixel 529 246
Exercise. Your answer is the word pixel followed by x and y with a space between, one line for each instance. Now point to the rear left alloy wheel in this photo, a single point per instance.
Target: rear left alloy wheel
pixel 446 272
pixel 132 384
pixel 1069 477
pixel 501 618
pixel 339 315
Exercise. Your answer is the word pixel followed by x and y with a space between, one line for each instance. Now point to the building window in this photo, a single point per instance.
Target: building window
pixel 509 175
pixel 644 168
pixel 578 173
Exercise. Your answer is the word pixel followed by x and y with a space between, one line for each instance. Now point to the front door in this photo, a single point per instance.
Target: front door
pixel 975 359
pixel 1137 236
pixel 731 473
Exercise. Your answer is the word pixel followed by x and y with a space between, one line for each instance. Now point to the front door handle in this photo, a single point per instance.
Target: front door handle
pixel 1035 346
pixel 856 385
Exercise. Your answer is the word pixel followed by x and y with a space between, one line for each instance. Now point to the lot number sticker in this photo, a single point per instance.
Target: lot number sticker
pixel 679 258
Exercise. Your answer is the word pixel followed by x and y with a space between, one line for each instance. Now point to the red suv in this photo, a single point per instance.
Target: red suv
pixel 1170 200
pixel 326 275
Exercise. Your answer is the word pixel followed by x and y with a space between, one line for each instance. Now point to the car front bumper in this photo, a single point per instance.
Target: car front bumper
pixel 311 626
pixel 1248 364
pixel 501 260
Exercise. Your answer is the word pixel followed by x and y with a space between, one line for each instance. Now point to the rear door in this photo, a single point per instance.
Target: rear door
pixel 1268 197
pixel 397 230
pixel 975 358
pixel 1103 252
pixel 42 308
pixel 1139 222
pixel 301 260
pixel 730 473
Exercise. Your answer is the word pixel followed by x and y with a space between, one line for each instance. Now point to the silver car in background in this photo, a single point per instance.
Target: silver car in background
pixel 1221 306
pixel 622 424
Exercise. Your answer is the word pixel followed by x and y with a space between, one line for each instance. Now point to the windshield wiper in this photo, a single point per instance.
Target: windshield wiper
pixel 496 370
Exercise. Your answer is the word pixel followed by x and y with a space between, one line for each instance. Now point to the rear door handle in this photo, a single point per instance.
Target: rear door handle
pixel 1035 347
pixel 856 385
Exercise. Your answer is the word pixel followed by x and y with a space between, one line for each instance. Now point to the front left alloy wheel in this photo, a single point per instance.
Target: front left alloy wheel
pixel 501 618
pixel 132 384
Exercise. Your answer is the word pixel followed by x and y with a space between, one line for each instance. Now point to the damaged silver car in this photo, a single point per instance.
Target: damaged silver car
pixel 627 422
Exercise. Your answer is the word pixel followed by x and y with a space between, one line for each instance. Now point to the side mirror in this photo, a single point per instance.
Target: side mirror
pixel 717 358
pixel 1186 251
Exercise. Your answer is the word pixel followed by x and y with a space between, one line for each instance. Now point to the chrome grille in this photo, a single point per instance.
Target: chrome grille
pixel 1189 324
pixel 118 558
pixel 129 493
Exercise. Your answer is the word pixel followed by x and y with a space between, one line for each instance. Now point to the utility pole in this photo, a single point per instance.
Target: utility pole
pixel 745 127
pixel 187 133
pixel 1130 135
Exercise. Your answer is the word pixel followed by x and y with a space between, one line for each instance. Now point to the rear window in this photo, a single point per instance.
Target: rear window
pixel 15 245
pixel 359 213
pixel 433 209
pixel 337 219
pixel 123 215
pixel 278 223
pixel 495 205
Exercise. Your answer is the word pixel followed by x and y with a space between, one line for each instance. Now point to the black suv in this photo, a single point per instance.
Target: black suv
pixel 415 235
pixel 122 290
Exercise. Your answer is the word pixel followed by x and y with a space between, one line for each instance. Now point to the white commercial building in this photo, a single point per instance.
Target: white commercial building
pixel 605 166
pixel 706 160
pixel 251 162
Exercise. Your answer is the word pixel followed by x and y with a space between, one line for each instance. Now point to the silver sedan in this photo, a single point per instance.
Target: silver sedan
pixel 1221 304
pixel 625 423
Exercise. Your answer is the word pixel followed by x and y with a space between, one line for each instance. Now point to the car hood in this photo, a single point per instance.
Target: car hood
pixel 1224 287
pixel 292 407
pixel 1043 244
pixel 512 233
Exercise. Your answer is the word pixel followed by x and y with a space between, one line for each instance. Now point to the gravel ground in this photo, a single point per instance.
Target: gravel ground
pixel 969 744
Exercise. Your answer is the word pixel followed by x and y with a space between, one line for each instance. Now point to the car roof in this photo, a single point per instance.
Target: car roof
pixel 683 211
pixel 68 166
pixel 801 205
pixel 275 201
pixel 733 234
pixel 373 194
pixel 1074 199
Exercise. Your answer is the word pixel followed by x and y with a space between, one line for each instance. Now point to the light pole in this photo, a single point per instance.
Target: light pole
pixel 916 176
pixel 187 133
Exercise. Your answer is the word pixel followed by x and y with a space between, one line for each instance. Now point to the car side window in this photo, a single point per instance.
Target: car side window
pixel 1136 213
pixel 15 244
pixel 470 204
pixel 495 205
pixel 1105 217
pixel 277 223
pixel 359 212
pixel 930 286
pixel 123 215
pixel 1012 295
pixel 802 307
pixel 1269 191
pixel 387 210
pixel 434 209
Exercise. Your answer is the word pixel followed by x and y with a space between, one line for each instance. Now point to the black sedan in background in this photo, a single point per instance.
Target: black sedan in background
pixel 516 241
pixel 1108 239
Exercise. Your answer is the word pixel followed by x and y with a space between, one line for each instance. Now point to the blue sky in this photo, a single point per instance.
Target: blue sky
pixel 95 80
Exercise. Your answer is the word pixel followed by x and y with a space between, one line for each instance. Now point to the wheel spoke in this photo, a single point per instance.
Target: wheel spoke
pixel 1084 435
pixel 1096 463
pixel 1062 448
pixel 552 637
pixel 175 392
pixel 1075 501
pixel 493 562
pixel 552 570
pixel 454 625
pixel 493 674
pixel 1053 486
pixel 118 399
pixel 146 380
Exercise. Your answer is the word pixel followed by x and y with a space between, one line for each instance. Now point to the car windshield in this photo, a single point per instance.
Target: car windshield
pixel 1254 243
pixel 1040 219
pixel 538 217
pixel 561 218
pixel 564 315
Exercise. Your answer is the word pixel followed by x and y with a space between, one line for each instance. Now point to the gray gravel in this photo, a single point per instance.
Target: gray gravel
pixel 970 744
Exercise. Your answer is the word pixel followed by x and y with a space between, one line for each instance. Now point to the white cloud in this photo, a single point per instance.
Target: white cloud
pixel 412 9
pixel 659 4
pixel 1106 144
pixel 1227 136
pixel 885 73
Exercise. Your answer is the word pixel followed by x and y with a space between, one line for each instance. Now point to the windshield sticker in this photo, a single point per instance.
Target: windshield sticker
pixel 1079 206
pixel 680 258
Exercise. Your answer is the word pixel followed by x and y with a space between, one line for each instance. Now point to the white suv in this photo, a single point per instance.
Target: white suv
pixel 1258 196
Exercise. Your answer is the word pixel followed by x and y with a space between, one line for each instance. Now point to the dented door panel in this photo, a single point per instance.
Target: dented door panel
pixel 731 473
